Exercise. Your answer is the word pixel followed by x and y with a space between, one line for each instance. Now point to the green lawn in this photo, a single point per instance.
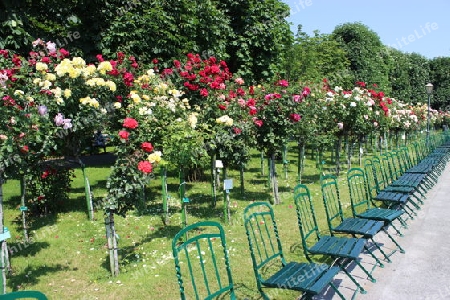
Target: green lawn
pixel 67 257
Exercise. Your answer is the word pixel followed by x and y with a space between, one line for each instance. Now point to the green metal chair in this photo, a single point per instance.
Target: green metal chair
pixel 343 250
pixel 24 295
pixel 393 200
pixel 361 204
pixel 201 262
pixel 271 269
pixel 337 223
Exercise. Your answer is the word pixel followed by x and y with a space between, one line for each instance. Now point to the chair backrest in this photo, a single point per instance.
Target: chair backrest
pixel 379 174
pixel 24 295
pixel 306 218
pixel 386 168
pixel 396 170
pixel 331 201
pixel 201 262
pixel 263 239
pixel 407 160
pixel 357 185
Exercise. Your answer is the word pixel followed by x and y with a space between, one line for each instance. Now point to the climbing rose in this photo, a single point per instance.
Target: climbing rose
pixel 147 147
pixel 145 166
pixel 130 123
pixel 295 117
pixel 124 134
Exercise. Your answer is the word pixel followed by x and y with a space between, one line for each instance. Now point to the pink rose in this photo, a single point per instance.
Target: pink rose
pixel 145 166
pixel 124 134
pixel 130 123
pixel 258 123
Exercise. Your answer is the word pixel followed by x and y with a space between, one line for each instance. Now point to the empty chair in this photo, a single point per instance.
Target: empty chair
pixel 271 269
pixel 343 250
pixel 24 295
pixel 201 262
pixel 337 223
pixel 362 208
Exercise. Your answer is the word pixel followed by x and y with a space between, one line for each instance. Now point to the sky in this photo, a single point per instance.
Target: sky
pixel 411 26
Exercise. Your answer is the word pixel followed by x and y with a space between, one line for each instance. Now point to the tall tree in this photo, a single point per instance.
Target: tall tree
pixel 313 58
pixel 440 78
pixel 419 76
pixel 366 53
pixel 399 65
pixel 261 37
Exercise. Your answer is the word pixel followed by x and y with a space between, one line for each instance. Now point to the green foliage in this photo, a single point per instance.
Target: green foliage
pixel 366 53
pixel 313 58
pixel 440 77
pixel 419 76
pixel 47 188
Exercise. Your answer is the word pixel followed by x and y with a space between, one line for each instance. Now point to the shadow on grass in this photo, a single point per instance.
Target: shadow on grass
pixel 30 276
pixel 26 249
pixel 127 255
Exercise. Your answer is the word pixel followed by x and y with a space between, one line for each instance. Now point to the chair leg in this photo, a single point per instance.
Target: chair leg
pixel 373 255
pixel 358 286
pixel 394 241
pixel 365 271
pixel 382 252
pixel 337 291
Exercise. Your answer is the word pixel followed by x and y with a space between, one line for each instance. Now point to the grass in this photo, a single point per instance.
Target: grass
pixel 67 257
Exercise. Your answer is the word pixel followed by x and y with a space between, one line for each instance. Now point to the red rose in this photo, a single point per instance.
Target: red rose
pixel 204 92
pixel 295 117
pixel 147 147
pixel 145 166
pixel 124 134
pixel 24 149
pixel 130 123
pixel 237 130
pixel 252 111
pixel 222 107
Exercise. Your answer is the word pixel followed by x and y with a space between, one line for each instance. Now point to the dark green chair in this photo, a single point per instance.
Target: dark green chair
pixel 362 208
pixel 24 295
pixel 393 200
pixel 271 269
pixel 354 226
pixel 201 262
pixel 342 250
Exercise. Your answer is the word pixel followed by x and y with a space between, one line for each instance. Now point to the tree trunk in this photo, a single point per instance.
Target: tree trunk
pixel 184 200
pixel 23 190
pixel 4 260
pixel 262 164
pixel 241 173
pixel 338 155
pixel 213 180
pixel 112 244
pixel 301 159
pixel 285 162
pixel 165 216
pixel 273 179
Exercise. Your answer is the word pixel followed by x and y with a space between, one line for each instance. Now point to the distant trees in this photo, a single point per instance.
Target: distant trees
pixel 252 36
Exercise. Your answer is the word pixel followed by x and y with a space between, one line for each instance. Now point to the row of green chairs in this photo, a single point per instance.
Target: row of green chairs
pixel 201 248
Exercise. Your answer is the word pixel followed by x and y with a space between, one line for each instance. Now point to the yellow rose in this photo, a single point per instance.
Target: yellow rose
pixel 67 93
pixel 50 76
pixel 41 67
